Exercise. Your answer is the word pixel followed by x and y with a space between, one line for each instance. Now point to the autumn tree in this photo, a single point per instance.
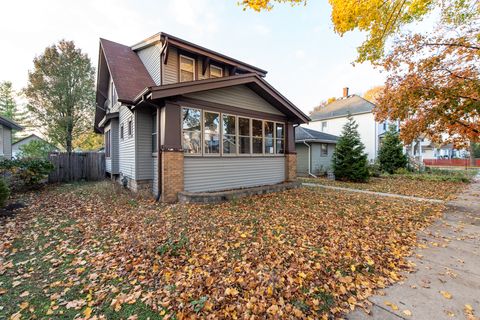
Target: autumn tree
pixel 391 156
pixel 323 104
pixel 372 94
pixel 349 159
pixel 61 93
pixel 88 141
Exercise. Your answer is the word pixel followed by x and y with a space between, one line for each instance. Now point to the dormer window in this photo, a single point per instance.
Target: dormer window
pixel 216 72
pixel 187 69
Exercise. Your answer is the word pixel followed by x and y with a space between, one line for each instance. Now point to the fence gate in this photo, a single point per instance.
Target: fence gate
pixel 77 166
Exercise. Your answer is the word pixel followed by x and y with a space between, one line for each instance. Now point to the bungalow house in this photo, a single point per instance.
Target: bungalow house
pixel 314 151
pixel 180 117
pixel 6 127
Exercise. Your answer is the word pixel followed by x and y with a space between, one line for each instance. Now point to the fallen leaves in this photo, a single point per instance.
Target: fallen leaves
pixel 302 253
pixel 446 294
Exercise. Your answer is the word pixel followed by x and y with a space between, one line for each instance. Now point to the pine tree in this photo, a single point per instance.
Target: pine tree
pixel 390 155
pixel 9 107
pixel 349 159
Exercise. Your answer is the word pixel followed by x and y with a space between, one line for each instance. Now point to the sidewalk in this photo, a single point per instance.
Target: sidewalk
pixel 447 283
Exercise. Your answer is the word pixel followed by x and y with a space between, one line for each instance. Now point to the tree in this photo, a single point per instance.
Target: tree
pixel 390 155
pixel 323 104
pixel 372 94
pixel 61 93
pixel 89 141
pixel 36 149
pixel 8 105
pixel 381 19
pixel 433 86
pixel 349 159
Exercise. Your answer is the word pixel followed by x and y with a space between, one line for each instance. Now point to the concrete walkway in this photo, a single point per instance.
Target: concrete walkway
pixel 383 194
pixel 446 284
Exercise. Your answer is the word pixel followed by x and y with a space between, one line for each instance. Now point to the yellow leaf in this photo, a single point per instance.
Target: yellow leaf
pixel 24 305
pixel 209 281
pixel 243 235
pixel 24 294
pixel 270 291
pixel 231 292
pixel 79 270
pixel 446 294
pixel 407 312
pixel 87 312
pixel 49 312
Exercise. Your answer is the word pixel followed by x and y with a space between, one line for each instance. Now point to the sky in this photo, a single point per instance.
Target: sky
pixel 306 61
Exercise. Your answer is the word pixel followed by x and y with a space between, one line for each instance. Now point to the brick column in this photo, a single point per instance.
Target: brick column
pixel 172 175
pixel 291 167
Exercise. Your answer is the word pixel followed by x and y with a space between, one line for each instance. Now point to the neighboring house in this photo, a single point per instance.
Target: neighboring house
pixel 16 146
pixel 6 127
pixel 314 151
pixel 179 117
pixel 331 119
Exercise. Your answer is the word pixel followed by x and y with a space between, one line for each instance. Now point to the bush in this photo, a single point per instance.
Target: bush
pixel 36 149
pixel 25 173
pixel 374 170
pixel 4 192
pixel 349 160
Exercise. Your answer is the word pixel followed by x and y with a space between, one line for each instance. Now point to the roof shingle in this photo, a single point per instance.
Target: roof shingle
pixel 340 108
pixel 305 134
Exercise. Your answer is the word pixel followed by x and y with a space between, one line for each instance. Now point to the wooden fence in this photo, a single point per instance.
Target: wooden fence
pixel 77 166
pixel 451 162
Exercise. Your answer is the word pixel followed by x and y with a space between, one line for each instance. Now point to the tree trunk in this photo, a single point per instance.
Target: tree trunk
pixel 472 154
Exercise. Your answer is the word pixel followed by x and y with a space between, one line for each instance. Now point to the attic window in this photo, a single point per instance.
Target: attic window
pixel 187 69
pixel 216 72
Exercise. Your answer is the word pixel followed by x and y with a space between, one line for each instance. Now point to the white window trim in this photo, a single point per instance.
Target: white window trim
pixel 215 67
pixel 200 154
pixel 129 134
pixel 180 67
pixel 219 134
pixel 236 135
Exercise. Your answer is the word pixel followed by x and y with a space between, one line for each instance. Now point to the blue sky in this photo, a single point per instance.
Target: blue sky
pixel 305 59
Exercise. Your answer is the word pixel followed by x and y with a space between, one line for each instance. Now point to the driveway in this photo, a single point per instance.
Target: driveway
pixel 447 282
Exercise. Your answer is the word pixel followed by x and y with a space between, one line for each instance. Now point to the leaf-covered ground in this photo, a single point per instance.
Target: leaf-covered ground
pixel 93 251
pixel 442 190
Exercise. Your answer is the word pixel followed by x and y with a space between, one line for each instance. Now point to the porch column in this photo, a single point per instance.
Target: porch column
pixel 290 153
pixel 171 153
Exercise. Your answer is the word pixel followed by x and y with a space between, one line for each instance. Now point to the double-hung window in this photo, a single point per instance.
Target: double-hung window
pixel 211 133
pixel 257 136
pixel 279 138
pixel 107 144
pixel 154 132
pixel 268 129
pixel 244 135
pixel 216 72
pixel 130 127
pixel 324 126
pixel 229 134
pixel 192 130
pixel 187 69
pixel 324 150
pixel 122 131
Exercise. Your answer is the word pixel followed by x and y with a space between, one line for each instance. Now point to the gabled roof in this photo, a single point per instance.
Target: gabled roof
pixel 340 108
pixel 305 134
pixel 168 39
pixel 10 123
pixel 251 80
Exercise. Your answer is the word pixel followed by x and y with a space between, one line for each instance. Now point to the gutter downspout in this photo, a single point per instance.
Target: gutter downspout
pixel 309 157
pixel 159 157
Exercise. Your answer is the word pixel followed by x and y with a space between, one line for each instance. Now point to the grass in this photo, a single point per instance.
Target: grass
pixel 92 249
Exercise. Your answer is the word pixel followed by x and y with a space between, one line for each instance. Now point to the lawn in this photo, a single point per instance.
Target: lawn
pixel 433 186
pixel 93 251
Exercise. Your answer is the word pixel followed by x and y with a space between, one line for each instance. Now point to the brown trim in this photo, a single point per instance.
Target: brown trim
pixel 243 156
pixel 217 107
pixel 159 156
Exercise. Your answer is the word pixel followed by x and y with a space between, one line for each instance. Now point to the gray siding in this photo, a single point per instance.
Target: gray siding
pixel 237 96
pixel 223 173
pixel 127 145
pixel 7 142
pixel 170 70
pixel 319 164
pixel 150 57
pixel 108 160
pixel 143 140
pixel 114 152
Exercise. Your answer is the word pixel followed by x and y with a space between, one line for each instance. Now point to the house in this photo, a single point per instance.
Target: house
pixel 314 151
pixel 180 117
pixel 331 119
pixel 26 140
pixel 6 127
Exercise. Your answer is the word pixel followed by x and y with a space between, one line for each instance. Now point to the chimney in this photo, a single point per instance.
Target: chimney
pixel 345 92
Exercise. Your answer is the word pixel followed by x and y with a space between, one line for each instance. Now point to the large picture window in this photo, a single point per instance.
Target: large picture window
pixel 244 135
pixel 279 138
pixel 211 133
pixel 229 134
pixel 192 132
pixel 257 136
pixel 269 137
pixel 187 69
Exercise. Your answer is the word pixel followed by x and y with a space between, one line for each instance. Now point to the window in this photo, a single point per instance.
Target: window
pixel 269 136
pixel 385 126
pixel 121 131
pixel 191 125
pixel 229 134
pixel 187 69
pixel 257 136
pixel 244 135
pixel 154 132
pixel 216 72
pixel 279 138
pixel 324 126
pixel 130 127
pixel 323 149
pixel 211 133
pixel 107 144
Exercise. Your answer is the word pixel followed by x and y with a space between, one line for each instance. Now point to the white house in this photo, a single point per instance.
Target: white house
pixel 333 117
pixel 6 127
pixel 26 140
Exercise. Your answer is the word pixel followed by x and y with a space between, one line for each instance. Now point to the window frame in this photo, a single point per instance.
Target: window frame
pixel 215 67
pixel 180 56
pixel 250 137
pixel 282 138
pixel 236 135
pixel 200 154
pixel 130 127
pixel 108 144
pixel 324 155
pixel 122 131
pixel 324 125
pixel 154 133
pixel 274 140
pixel 203 133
